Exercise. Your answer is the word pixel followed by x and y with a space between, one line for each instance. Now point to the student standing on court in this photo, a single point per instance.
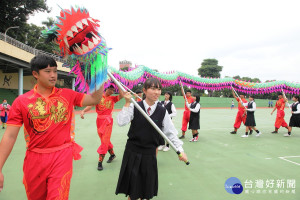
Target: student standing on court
pixel 240 116
pixel 186 113
pixel 295 118
pixel 250 121
pixel 232 104
pixel 46 112
pixel 194 122
pixel 280 105
pixel 138 175
pixel 167 103
pixel 104 123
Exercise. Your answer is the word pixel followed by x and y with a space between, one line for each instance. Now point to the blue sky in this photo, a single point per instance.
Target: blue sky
pixel 258 38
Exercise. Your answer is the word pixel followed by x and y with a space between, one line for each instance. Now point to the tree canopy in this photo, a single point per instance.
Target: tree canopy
pixel 16 13
pixel 210 68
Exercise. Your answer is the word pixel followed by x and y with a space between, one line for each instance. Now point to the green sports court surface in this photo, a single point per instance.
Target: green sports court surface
pixel 217 156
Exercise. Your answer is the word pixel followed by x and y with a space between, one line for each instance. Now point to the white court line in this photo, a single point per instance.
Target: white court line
pixel 283 158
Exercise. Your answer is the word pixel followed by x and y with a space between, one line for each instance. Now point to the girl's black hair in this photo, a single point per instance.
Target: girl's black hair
pixel 169 93
pixel 152 82
pixel 197 98
pixel 41 62
pixel 138 92
pixel 296 97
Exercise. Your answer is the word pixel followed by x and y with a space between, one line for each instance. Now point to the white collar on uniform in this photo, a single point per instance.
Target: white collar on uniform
pixel 153 107
pixel 166 102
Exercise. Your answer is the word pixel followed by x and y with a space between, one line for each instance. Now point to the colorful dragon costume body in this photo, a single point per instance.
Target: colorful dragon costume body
pixel 85 51
pixel 82 46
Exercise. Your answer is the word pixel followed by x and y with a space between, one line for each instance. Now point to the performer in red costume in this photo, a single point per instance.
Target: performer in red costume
pixel 46 112
pixel 105 123
pixel 241 116
pixel 280 105
pixel 187 112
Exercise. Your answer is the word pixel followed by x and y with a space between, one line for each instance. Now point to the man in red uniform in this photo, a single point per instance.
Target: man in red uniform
pixel 46 112
pixel 187 112
pixel 105 123
pixel 280 105
pixel 241 116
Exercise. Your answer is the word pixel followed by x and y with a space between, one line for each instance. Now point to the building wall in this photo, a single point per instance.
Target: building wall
pixel 20 54
pixel 11 81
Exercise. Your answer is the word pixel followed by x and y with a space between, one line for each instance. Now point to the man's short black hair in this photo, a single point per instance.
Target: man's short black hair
pixel 109 87
pixel 152 82
pixel 41 62
pixel 138 92
pixel 279 93
pixel 188 91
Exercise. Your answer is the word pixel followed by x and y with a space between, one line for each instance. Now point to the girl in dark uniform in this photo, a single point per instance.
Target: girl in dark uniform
pixel 167 103
pixel 138 177
pixel 194 122
pixel 250 120
pixel 295 118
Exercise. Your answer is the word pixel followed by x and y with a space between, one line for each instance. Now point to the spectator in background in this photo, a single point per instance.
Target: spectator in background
pixel 232 104
pixel 4 110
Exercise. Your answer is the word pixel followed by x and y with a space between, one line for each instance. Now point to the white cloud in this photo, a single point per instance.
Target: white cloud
pixel 249 38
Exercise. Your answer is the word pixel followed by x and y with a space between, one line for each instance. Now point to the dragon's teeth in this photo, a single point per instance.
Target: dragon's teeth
pixel 85 48
pixel 91 45
pixel 79 25
pixel 74 29
pixel 84 21
pixel 70 34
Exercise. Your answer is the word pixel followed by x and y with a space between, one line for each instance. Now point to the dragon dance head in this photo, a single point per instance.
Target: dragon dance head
pixel 76 34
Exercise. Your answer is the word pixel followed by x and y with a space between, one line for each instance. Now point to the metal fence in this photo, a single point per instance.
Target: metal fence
pixel 27 48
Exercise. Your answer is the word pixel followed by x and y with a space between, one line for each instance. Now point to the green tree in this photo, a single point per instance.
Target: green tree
pixel 210 68
pixel 16 13
pixel 50 21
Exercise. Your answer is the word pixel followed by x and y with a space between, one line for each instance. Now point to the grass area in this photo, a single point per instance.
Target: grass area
pixel 216 157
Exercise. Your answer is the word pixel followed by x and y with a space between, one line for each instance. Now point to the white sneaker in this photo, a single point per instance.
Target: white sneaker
pixel 161 147
pixel 196 138
pixel 244 136
pixel 192 140
pixel 166 148
pixel 258 134
pixel 286 135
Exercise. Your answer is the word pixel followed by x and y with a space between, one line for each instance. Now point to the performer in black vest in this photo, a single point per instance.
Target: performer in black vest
pixel 167 103
pixel 194 122
pixel 138 174
pixel 250 120
pixel 295 118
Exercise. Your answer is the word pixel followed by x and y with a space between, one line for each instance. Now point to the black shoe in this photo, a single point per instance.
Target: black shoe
pixel 182 137
pixel 251 132
pixel 274 132
pixel 100 166
pixel 233 132
pixel 111 158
